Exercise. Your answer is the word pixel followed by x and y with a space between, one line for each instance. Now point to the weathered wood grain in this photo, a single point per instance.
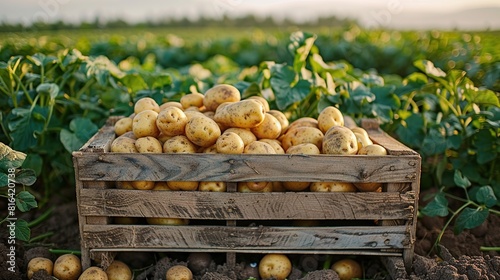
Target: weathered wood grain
pixel 250 206
pixel 245 167
pixel 225 237
pixel 101 141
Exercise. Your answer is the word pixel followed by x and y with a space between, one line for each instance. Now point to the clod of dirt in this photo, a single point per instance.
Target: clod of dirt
pixel 41 275
pixel 326 274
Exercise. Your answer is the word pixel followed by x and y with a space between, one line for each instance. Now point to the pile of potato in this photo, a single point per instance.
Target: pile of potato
pixel 219 121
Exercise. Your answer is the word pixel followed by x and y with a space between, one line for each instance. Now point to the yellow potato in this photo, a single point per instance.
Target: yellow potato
pixel 270 128
pixel 179 272
pixel 276 144
pixel 262 100
pixel 192 100
pixel 167 221
pixel 243 187
pixel 129 134
pixel 119 270
pixel 93 273
pixel 304 121
pixel 259 147
pixel 171 104
pixel 143 185
pixel 179 144
pixel 144 124
pixel 362 137
pixel 146 103
pixel 258 186
pixel 371 150
pixel 229 143
pixel 191 114
pixel 212 187
pixel 244 114
pixel 202 131
pixel 123 145
pixel 245 134
pixel 301 135
pixel 281 118
pixel 124 185
pixel 171 121
pixel 163 138
pixel 148 144
pixel 304 148
pixel 67 267
pixel 329 117
pixel 161 186
pixel 333 187
pixel 219 94
pixel 39 263
pixel 340 140
pixel 276 266
pixel 209 150
pixel 123 125
pixel 182 185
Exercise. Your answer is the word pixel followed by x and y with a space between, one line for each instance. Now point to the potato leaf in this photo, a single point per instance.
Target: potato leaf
pixel 285 87
pixel 25 201
pixel 80 131
pixel 437 207
pixel 23 232
pixel 24 125
pixel 10 158
pixel 461 180
pixel 470 218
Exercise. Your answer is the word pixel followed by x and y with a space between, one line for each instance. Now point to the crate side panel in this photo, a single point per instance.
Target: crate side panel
pixel 226 237
pixel 234 168
pixel 258 206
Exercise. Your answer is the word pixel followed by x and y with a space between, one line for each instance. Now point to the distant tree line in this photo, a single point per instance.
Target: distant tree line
pixel 225 21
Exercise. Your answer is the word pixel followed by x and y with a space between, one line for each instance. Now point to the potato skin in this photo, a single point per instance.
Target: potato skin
pixel 278 266
pixel 39 263
pixel 275 143
pixel 301 135
pixel 144 124
pixel 118 270
pixel 123 145
pixel 230 143
pixel 194 99
pixel 67 267
pixel 340 140
pixel 332 187
pixel 93 273
pixel 219 94
pixel 244 114
pixel 179 144
pixel 146 103
pixel 270 128
pixel 245 134
pixel 123 126
pixel 179 272
pixel 148 144
pixel 329 117
pixel 281 118
pixel 259 147
pixel 171 121
pixel 304 148
pixel 202 131
pixel 262 100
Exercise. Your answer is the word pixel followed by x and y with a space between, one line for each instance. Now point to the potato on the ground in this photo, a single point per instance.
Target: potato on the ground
pixel 94 273
pixel 270 128
pixel 219 94
pixel 194 99
pixel 123 125
pixel 179 144
pixel 171 121
pixel 262 100
pixel 246 113
pixel 301 135
pixel 230 143
pixel 39 263
pixel 347 269
pixel 278 266
pixel 119 270
pixel 340 140
pixel 179 272
pixel 67 267
pixel 202 131
pixel 148 144
pixel 144 124
pixel 329 117
pixel 245 134
pixel 146 103
pixel 280 116
pixel 212 186
pixel 275 143
pixel 333 187
pixel 259 147
pixel 123 145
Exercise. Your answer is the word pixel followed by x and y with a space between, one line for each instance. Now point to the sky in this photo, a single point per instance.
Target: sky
pixel 417 14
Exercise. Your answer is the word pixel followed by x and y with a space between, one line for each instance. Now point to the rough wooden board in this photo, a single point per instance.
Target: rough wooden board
pixel 252 206
pixel 220 237
pixel 234 168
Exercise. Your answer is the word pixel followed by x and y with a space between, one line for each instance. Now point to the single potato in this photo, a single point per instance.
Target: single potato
pixel 243 187
pixel 146 103
pixel 304 148
pixel 371 150
pixel 362 137
pixel 202 131
pixel 275 143
pixel 171 104
pixel 246 113
pixel 230 143
pixel 119 270
pixel 270 128
pixel 340 140
pixel 39 263
pixel 171 121
pixel 179 272
pixel 148 144
pixel 192 100
pixel 219 94
pixel 259 147
pixel 183 185
pixel 67 267
pixel 281 118
pixel 144 124
pixel 93 273
pixel 301 135
pixel 333 187
pixel 262 100
pixel 245 134
pixel 179 144
pixel 329 117
pixel 123 126
pixel 278 266
pixel 347 269
pixel 123 145
pixel 143 185
pixel 212 186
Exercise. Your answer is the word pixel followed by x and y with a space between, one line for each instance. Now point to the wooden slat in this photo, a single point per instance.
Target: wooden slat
pixel 253 206
pixel 234 168
pixel 378 136
pixel 225 237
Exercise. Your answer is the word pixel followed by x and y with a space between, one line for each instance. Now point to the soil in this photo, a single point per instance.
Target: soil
pixel 458 256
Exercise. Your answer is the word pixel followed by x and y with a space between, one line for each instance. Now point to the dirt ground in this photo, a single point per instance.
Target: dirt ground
pixel 459 257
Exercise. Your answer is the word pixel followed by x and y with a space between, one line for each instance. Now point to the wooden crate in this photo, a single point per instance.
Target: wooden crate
pixel 225 214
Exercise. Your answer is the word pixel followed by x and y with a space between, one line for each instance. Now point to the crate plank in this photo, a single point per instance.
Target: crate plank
pixel 235 168
pixel 253 206
pixel 222 237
